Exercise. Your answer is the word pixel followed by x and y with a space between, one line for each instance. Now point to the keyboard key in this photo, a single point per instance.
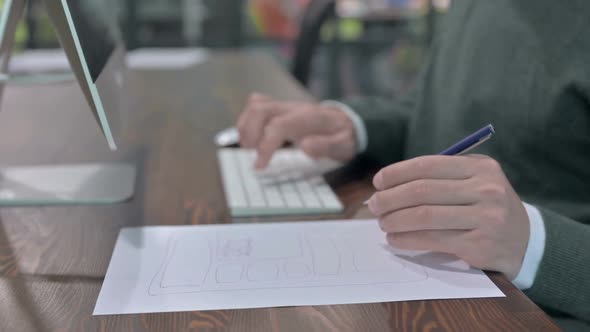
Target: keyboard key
pixel 308 196
pixel 268 187
pixel 232 183
pixel 325 193
pixel 292 184
pixel 251 185
pixel 290 193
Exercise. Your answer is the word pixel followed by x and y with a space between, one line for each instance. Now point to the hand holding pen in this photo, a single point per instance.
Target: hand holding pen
pixel 468 143
pixel 461 205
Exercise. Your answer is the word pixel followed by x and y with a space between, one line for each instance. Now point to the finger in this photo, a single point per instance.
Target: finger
pixel 423 192
pixel 477 156
pixel 292 126
pixel 427 167
pixel 438 241
pixel 255 118
pixel 274 136
pixel 257 96
pixel 430 217
pixel 252 99
pixel 340 146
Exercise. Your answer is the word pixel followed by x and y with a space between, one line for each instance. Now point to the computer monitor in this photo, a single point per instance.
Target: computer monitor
pixel 97 56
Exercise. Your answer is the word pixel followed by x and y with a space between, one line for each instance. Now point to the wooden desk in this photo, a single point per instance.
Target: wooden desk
pixel 53 259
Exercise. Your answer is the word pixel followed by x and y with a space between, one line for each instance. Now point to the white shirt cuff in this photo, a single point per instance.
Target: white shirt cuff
pixel 359 126
pixel 534 250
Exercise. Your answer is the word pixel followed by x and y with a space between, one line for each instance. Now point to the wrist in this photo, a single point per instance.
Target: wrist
pixel 358 126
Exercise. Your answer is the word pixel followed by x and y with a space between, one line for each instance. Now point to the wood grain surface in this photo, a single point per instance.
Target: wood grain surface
pixel 53 259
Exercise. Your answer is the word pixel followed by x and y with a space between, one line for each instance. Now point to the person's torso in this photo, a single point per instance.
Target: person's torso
pixel 524 66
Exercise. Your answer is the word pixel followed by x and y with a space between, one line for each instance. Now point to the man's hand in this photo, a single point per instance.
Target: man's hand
pixel 320 131
pixel 458 205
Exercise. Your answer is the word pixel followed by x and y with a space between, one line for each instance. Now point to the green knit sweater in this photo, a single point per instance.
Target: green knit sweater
pixel 524 66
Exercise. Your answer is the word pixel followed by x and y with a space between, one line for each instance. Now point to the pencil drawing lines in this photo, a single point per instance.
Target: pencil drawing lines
pixel 380 261
pixel 296 270
pixel 180 252
pixel 263 271
pixel 234 248
pixel 325 255
pixel 243 261
pixel 229 273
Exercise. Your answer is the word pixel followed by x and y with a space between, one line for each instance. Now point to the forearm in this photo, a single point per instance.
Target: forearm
pixel 561 281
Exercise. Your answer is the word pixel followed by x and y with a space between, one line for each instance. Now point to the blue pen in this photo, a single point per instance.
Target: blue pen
pixel 468 143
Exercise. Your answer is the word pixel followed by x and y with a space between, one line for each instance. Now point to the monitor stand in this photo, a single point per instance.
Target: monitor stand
pixel 40 78
pixel 66 184
pixel 90 183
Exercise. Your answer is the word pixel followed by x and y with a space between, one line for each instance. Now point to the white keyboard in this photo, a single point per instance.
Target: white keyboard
pixel 292 184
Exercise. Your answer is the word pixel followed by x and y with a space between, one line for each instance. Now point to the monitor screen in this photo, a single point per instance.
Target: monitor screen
pixel 94 22
pixel 88 32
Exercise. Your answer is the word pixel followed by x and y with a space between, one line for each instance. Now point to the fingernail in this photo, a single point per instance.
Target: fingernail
pixel 390 239
pixel 259 164
pixel 371 204
pixel 378 180
pixel 381 225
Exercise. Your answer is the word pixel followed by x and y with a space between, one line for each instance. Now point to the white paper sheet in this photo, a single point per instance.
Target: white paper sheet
pixel 166 58
pixel 186 268
pixel 54 60
pixel 39 61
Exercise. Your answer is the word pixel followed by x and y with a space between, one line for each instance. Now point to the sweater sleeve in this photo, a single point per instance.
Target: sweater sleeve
pixel 562 281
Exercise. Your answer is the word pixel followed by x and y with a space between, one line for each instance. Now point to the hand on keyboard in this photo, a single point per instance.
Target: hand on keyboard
pixel 320 131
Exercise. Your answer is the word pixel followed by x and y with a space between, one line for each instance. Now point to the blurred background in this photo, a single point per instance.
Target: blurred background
pixel 337 48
